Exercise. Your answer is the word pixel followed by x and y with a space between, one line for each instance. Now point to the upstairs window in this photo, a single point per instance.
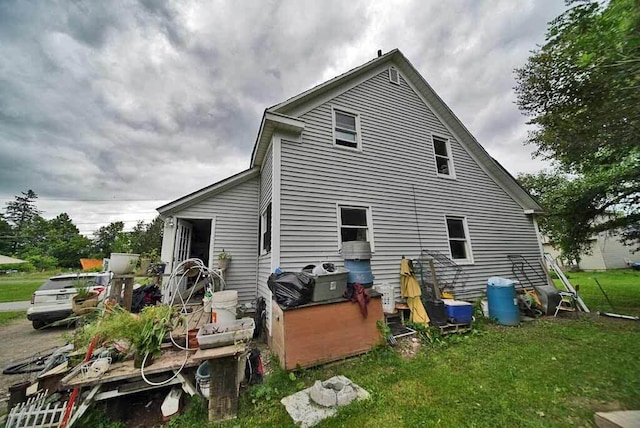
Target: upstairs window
pixel 442 152
pixel 265 227
pixel 346 129
pixel 459 244
pixel 354 224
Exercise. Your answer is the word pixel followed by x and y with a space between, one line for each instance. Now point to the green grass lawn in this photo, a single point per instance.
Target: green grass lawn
pixel 621 286
pixel 550 372
pixel 20 290
pixel 20 286
pixel 7 317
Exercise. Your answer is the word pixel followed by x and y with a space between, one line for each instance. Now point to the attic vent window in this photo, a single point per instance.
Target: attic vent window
pixel 394 76
pixel 346 129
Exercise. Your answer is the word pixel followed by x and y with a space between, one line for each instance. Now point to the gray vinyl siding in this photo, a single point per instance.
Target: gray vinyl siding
pixel 397 160
pixel 236 231
pixel 266 189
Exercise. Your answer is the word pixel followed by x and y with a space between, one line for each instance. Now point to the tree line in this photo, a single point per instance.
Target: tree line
pixel 57 242
pixel 581 90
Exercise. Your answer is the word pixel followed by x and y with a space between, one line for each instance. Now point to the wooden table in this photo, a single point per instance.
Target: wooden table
pixel 123 378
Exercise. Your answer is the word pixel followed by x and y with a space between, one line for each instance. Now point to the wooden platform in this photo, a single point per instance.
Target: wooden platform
pixel 195 319
pixel 454 328
pixel 323 331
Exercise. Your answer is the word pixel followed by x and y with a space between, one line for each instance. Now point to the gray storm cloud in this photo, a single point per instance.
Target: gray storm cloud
pixel 153 100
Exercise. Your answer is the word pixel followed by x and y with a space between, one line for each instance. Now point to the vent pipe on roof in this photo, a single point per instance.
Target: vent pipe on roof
pixel 379 53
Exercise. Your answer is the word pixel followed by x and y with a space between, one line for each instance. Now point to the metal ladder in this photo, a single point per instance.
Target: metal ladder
pixel 565 281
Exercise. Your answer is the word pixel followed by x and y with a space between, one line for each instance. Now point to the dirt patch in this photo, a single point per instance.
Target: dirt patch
pixel 597 405
pixel 408 347
pixel 20 341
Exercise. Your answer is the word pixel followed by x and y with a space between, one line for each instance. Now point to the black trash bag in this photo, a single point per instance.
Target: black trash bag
pixel 147 295
pixel 291 289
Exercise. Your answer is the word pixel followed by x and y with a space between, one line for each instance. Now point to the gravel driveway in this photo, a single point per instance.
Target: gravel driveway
pixel 18 340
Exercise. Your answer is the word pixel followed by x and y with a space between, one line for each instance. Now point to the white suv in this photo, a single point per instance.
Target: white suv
pixel 52 301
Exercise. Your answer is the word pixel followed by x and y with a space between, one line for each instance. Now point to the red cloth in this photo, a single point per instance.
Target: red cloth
pixel 356 293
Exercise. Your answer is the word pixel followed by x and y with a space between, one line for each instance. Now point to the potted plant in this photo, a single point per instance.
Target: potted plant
pixel 123 261
pixel 223 259
pixel 84 300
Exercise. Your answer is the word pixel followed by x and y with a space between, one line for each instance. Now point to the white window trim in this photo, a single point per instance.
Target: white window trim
pixel 263 228
pixel 469 259
pixel 358 130
pixel 452 169
pixel 397 75
pixel 370 230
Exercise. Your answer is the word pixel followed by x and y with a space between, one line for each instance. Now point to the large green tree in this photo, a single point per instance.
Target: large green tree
pixel 104 239
pixel 6 236
pixel 56 239
pixel 581 90
pixel 20 212
pixel 146 238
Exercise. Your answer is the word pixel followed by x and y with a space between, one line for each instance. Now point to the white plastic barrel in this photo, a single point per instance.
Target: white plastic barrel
pixel 223 306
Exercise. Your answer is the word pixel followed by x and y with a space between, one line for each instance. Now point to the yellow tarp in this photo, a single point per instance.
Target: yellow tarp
pixel 410 289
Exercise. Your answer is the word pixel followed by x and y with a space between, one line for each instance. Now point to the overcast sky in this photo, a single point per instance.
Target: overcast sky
pixel 111 109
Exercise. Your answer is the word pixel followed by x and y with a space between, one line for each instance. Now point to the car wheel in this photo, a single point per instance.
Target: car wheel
pixel 38 324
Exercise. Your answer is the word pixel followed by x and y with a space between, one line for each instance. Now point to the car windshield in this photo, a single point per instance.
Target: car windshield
pixel 58 283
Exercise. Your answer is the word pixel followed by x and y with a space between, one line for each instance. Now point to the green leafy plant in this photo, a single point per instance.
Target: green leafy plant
pixel 144 332
pixel 154 323
pixel 223 255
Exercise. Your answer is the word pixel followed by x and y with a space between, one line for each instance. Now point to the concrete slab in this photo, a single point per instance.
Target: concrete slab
pixel 14 306
pixel 618 419
pixel 306 413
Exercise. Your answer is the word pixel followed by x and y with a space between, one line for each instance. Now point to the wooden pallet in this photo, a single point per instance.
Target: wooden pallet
pixel 195 319
pixel 454 328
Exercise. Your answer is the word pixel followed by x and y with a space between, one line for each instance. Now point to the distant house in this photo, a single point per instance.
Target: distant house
pixel 607 252
pixel 373 154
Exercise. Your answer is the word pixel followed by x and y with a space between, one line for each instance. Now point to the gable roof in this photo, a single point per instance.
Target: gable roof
pixel 287 110
pixel 207 192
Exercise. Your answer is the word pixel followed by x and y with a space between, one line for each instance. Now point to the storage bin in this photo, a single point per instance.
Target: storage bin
pixel 330 285
pixel 437 311
pixel 214 335
pixel 388 297
pixel 359 272
pixel 458 312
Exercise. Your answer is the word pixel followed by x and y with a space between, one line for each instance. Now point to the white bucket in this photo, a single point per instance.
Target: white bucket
pixel 223 306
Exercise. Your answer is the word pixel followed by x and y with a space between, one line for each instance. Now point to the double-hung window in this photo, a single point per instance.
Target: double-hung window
pixel 354 224
pixel 459 243
pixel 265 227
pixel 346 129
pixel 442 152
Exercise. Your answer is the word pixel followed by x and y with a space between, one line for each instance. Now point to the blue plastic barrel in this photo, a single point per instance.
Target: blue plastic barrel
pixel 503 304
pixel 359 272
